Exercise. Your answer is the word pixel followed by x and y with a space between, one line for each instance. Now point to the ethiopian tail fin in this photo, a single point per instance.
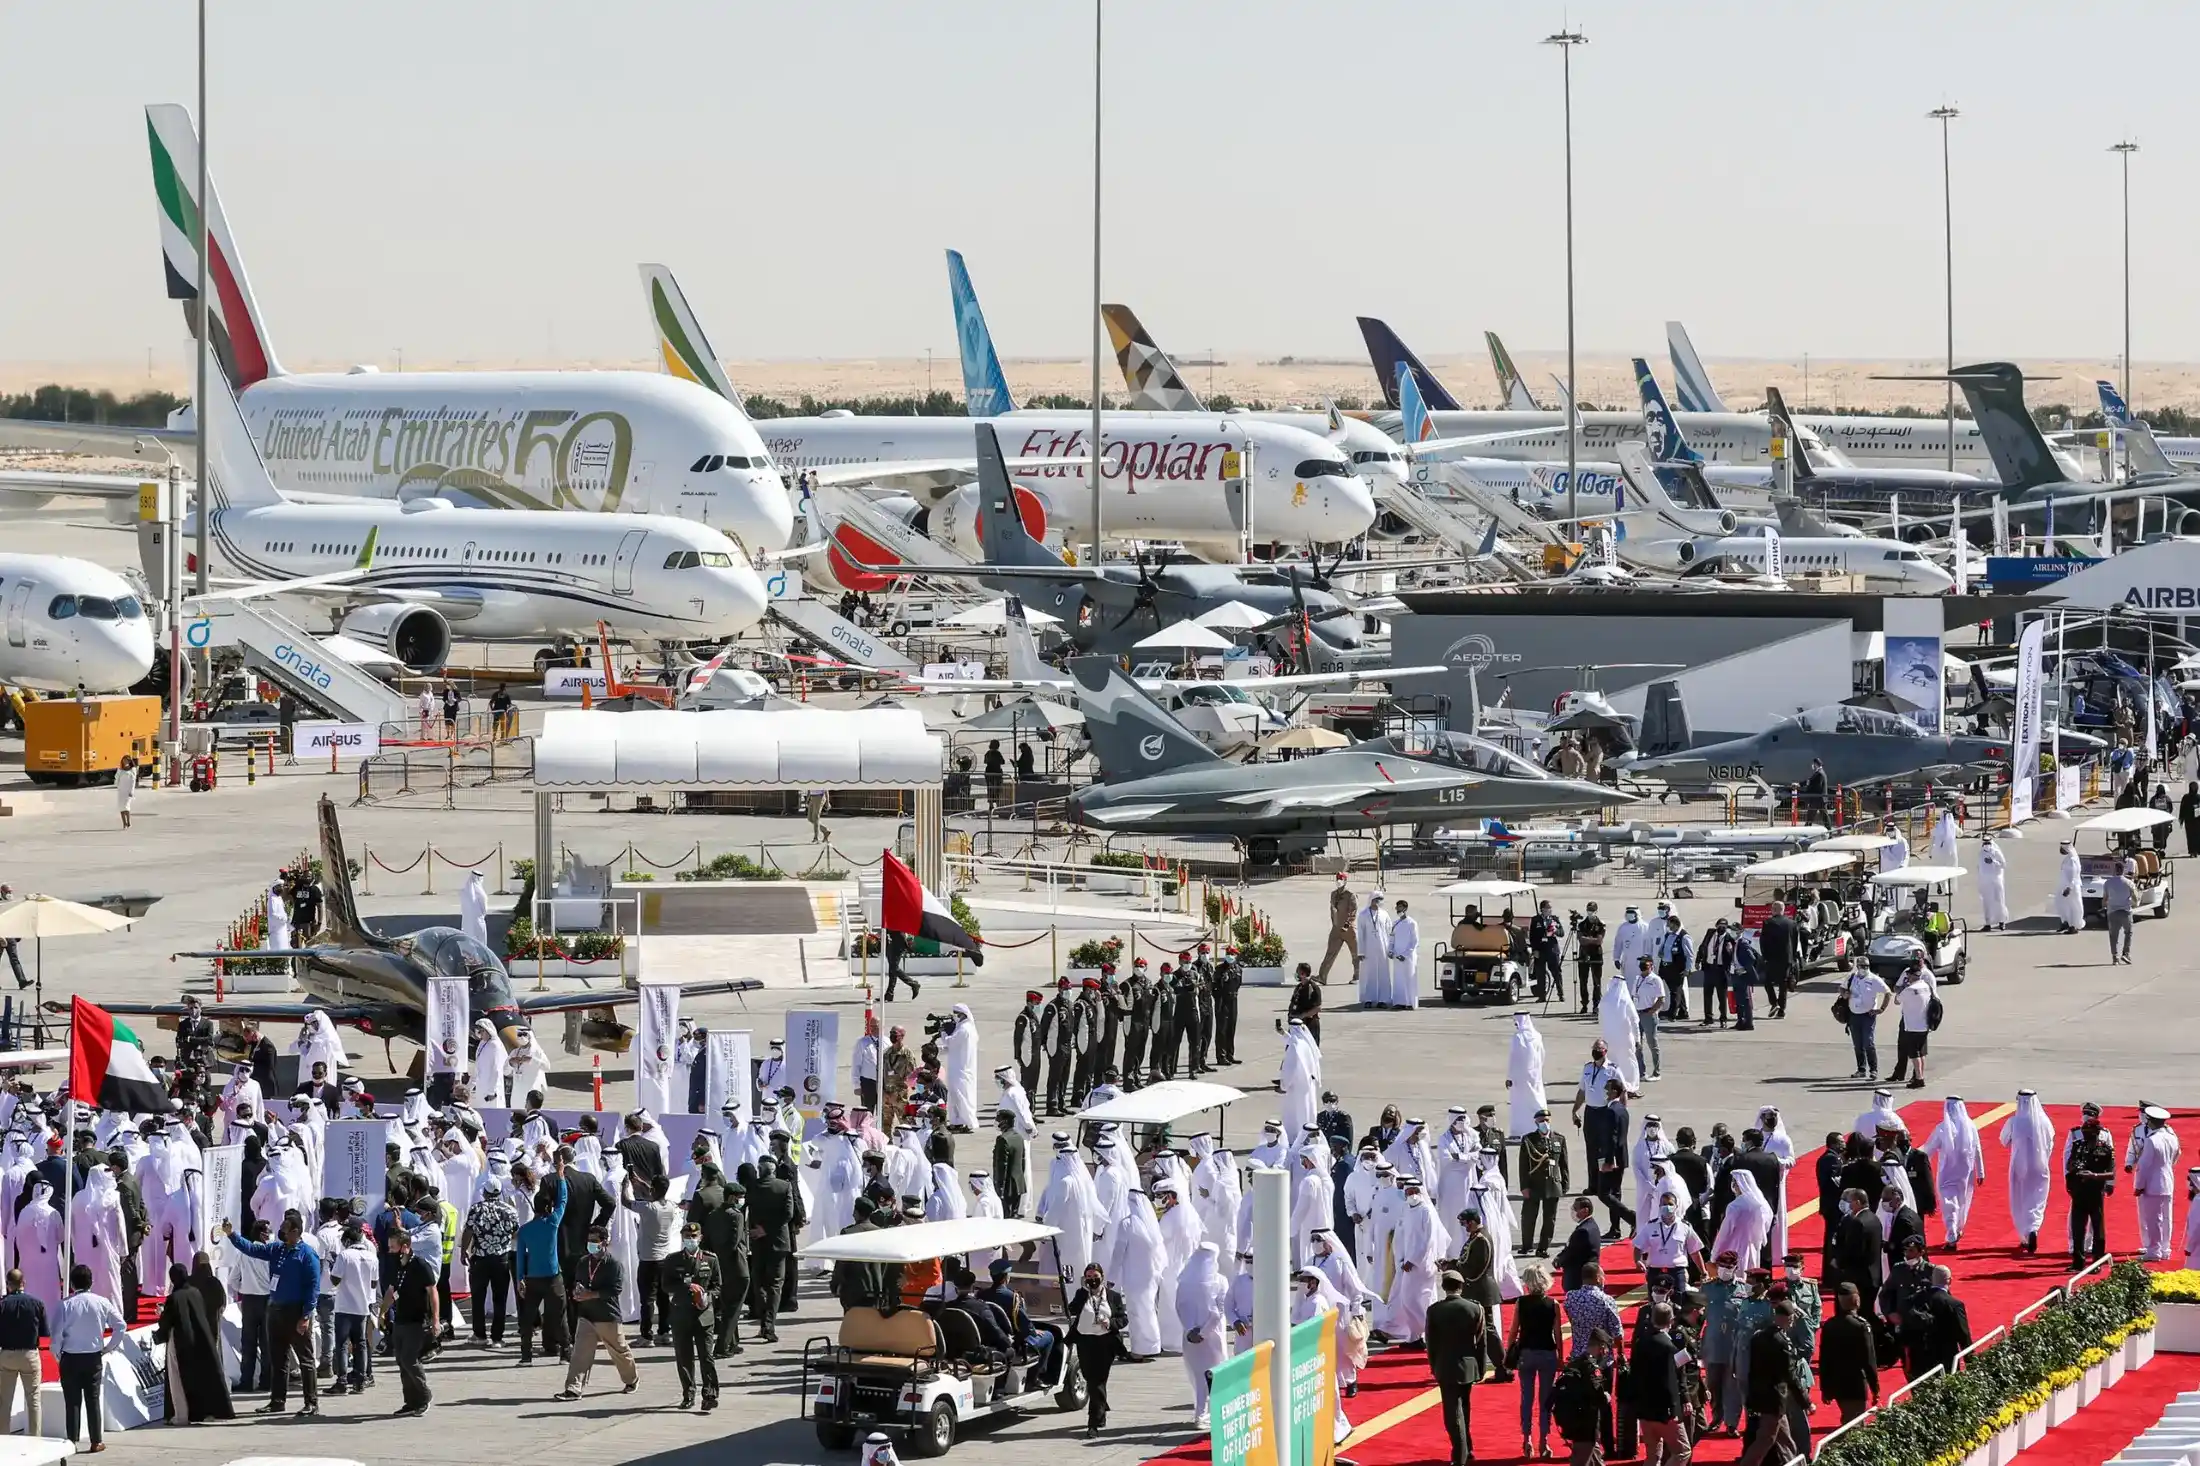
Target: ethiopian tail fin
pixel 681 344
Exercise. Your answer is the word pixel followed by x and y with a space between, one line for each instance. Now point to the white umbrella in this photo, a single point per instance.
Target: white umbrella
pixel 1186 635
pixel 1306 735
pixel 39 917
pixel 1233 616
pixel 993 615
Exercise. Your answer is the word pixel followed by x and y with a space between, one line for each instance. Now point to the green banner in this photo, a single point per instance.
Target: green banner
pixel 1314 1391
pixel 1242 1411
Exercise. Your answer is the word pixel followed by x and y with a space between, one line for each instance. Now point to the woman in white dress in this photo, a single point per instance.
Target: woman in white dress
pixel 126 787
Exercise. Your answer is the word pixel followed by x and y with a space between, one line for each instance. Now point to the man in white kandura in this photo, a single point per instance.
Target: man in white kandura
pixel 1405 959
pixel 1959 1167
pixel 1374 938
pixel 1993 885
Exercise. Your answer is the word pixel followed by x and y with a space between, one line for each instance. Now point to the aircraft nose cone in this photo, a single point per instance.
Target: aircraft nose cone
pixel 116 656
pixel 1347 508
pixel 760 511
pixel 746 598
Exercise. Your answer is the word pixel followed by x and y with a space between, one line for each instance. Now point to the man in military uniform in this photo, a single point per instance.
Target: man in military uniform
pixel 1027 1044
pixel 1161 1048
pixel 772 1207
pixel 1543 1180
pixel 2089 1174
pixel 1229 977
pixel 1058 1038
pixel 692 1279
pixel 1588 960
pixel 1491 1136
pixel 1138 1024
pixel 1084 1025
pixel 1344 917
pixel 720 1209
pixel 1112 1011
pixel 1201 973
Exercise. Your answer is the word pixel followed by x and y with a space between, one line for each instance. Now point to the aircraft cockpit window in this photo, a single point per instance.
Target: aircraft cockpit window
pixel 97 608
pixel 61 608
pixel 1324 468
pixel 129 609
pixel 717 559
pixel 682 560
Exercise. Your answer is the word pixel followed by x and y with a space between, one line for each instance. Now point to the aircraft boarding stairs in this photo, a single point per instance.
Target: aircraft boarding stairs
pixel 294 659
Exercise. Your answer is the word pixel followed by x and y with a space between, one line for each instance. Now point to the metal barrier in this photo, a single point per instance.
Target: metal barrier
pixel 629 956
pixel 444 769
pixel 369 863
pixel 1978 1344
pixel 1052 876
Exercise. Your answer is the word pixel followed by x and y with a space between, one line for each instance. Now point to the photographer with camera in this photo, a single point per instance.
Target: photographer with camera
pixel 1547 944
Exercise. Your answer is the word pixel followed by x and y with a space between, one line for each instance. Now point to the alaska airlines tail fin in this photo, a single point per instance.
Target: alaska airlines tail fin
pixel 236 476
pixel 1783 426
pixel 1156 385
pixel 1516 394
pixel 681 344
pixel 1664 719
pixel 1388 353
pixel 1002 533
pixel 241 345
pixel 1132 736
pixel 985 385
pixel 1660 432
pixel 1023 648
pixel 1690 380
pixel 2022 459
pixel 339 907
pixel 1415 425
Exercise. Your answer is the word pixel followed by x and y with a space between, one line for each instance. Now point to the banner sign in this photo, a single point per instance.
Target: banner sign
pixel 568 681
pixel 726 1078
pixel 2066 786
pixel 349 740
pixel 1914 665
pixel 446 1028
pixel 813 1059
pixel 955 671
pixel 1242 1411
pixel 353 1162
pixel 2024 766
pixel 1314 1391
pixel 221 1188
pixel 656 1034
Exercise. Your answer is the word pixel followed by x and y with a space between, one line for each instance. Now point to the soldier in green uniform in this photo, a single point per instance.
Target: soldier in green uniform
pixel 692 1279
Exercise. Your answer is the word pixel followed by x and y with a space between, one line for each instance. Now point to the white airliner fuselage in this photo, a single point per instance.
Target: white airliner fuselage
pixel 67 623
pixel 1741 438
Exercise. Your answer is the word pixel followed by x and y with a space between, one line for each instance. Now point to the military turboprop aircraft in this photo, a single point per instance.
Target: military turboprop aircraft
pixel 1156 778
pixel 379 985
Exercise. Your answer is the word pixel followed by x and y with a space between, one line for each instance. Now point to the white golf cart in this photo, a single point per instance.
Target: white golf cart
pixel 1145 1115
pixel 1486 959
pixel 1915 919
pixel 1821 890
pixel 2126 834
pixel 923 1375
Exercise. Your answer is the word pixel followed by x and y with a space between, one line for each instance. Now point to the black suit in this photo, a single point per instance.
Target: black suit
pixel 1097 1353
pixel 1655 1378
pixel 1761 1164
pixel 1584 1246
pixel 1905 1225
pixel 587 1204
pixel 1859 1254
pixel 1457 1332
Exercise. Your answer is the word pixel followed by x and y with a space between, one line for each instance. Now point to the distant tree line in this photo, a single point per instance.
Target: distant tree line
pixel 56 403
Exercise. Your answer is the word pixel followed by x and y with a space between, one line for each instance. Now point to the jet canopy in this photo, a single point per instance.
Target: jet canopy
pixel 449 951
pixel 1463 750
pixel 1841 717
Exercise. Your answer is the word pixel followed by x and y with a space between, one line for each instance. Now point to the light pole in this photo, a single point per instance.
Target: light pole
pixel 1566 41
pixel 198 402
pixel 1945 114
pixel 1098 340
pixel 2127 147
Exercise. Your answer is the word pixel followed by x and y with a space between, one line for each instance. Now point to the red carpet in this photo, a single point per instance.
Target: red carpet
pixel 1394 1417
pixel 2103 1428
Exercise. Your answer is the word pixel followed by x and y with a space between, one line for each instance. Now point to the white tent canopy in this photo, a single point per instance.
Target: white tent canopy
pixel 993 615
pixel 1233 616
pixel 1185 635
pixel 816 748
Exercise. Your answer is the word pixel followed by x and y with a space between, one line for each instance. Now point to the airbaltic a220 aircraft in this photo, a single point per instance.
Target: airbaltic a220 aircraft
pixel 634 442
pixel 70 624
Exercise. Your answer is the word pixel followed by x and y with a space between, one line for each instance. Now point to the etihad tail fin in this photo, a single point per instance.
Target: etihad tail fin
pixel 1509 382
pixel 1783 427
pixel 985 385
pixel 1132 736
pixel 681 344
pixel 1156 385
pixel 236 475
pixel 1664 719
pixel 1023 648
pixel 2022 458
pixel 1662 434
pixel 1690 381
pixel 1388 353
pixel 236 328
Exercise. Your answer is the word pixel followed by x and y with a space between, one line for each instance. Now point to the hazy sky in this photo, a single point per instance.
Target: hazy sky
pixel 478 180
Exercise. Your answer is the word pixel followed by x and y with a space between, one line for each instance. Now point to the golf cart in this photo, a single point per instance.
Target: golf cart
pixel 921 1373
pixel 2126 834
pixel 1822 890
pixel 1486 960
pixel 1148 1114
pixel 1908 900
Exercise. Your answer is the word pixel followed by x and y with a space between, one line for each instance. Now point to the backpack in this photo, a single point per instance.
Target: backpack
pixel 1933 1013
pixel 1576 1403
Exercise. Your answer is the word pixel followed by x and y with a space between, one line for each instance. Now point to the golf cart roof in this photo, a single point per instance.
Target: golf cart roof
pixel 1920 875
pixel 1800 866
pixel 2125 821
pixel 1487 890
pixel 1856 844
pixel 1161 1104
pixel 919 1241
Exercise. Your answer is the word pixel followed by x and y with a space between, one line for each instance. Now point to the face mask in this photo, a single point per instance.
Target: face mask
pixel 1846 1208
pixel 1666 1211
pixel 1726 1275
pixel 595 1249
pixel 691 1244
pixel 1542 1127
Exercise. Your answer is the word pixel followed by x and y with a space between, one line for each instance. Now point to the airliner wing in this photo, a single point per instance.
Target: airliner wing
pixel 104 440
pixel 925 475
pixel 989 572
pixel 30 483
pixel 456 603
pixel 1438 449
pixel 995 684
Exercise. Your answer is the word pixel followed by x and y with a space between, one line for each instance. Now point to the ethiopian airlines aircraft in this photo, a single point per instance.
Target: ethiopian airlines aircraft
pixel 630 442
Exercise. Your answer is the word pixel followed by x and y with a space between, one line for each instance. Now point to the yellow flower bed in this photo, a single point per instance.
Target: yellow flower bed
pixel 2037 1397
pixel 2144 1323
pixel 2182 1286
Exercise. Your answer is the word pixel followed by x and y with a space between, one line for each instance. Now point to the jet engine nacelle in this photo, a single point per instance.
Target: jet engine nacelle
pixel 418 636
pixel 954 520
pixel 1687 552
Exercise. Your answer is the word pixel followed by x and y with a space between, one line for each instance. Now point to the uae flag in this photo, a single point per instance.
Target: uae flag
pixel 107 1064
pixel 907 907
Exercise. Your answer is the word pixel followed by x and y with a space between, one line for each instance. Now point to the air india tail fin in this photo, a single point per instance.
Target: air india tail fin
pixel 241 345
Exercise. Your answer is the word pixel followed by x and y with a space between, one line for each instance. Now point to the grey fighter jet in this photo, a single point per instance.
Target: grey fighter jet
pixel 1157 779
pixel 379 984
pixel 1859 746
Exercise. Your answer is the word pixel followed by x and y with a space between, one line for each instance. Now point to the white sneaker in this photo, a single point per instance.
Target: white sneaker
pixel 1200 1420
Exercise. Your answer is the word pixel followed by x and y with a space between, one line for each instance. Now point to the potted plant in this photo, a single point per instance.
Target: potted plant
pixel 1086 957
pixel 1260 951
pixel 2177 1305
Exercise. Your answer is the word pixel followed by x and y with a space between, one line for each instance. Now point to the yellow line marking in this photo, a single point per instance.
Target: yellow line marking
pixel 1399 1414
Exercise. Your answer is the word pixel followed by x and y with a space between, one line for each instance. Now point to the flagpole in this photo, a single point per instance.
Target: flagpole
pixel 68 1158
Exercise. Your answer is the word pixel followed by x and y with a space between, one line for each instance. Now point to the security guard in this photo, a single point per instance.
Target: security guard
pixel 1057 1037
pixel 1202 970
pixel 1588 960
pixel 1028 1047
pixel 1229 977
pixel 1161 1048
pixel 691 1278
pixel 1137 1022
pixel 1084 1027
